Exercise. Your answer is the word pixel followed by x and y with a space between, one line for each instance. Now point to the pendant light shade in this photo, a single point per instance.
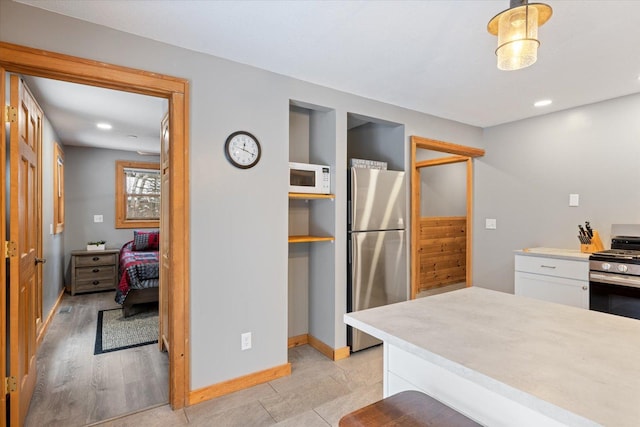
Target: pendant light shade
pixel 517 31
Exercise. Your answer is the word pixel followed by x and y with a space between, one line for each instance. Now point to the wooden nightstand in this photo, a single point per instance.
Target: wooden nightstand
pixel 94 270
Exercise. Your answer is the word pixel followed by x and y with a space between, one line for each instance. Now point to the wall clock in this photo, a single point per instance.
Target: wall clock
pixel 242 149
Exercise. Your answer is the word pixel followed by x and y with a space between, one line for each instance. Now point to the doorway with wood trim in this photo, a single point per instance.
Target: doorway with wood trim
pixel 441 246
pixel 24 60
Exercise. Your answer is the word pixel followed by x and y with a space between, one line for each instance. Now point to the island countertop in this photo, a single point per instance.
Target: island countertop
pixel 576 366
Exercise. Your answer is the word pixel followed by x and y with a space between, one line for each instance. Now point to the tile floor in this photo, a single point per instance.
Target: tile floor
pixel 316 394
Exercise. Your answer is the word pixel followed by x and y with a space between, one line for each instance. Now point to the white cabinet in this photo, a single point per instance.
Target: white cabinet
pixel 563 281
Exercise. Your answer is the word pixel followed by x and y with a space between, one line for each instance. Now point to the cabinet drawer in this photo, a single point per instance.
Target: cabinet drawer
pixel 96 272
pixel 97 259
pixel 547 266
pixel 553 289
pixel 95 285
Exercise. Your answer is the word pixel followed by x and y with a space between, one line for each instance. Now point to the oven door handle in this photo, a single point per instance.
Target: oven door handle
pixel 612 279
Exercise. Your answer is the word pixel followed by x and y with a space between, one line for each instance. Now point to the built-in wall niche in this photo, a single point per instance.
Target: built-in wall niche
pixel 375 139
pixel 311 278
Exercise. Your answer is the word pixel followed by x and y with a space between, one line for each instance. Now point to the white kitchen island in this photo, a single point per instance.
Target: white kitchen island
pixel 505 360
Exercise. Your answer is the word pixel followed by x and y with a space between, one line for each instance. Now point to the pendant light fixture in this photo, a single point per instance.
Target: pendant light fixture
pixel 517 31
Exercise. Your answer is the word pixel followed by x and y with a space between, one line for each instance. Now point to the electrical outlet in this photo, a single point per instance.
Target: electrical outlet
pixel 245 339
pixel 490 224
pixel 98 218
pixel 574 200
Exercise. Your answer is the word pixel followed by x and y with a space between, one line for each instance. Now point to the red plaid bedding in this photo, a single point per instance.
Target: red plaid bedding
pixel 138 270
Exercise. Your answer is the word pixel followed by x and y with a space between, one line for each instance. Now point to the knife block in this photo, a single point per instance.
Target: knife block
pixel 595 245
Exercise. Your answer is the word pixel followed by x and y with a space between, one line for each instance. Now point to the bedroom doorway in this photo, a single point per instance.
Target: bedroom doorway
pixel 24 60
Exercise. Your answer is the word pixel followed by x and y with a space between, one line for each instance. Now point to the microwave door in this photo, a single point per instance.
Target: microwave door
pixel 302 178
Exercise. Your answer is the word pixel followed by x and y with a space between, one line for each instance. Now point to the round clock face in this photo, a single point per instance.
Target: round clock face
pixel 242 149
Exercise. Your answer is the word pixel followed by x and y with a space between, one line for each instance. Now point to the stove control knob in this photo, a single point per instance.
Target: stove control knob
pixel 622 268
pixel 606 266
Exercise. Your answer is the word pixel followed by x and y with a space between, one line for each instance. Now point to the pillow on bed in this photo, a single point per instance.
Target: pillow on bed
pixel 146 240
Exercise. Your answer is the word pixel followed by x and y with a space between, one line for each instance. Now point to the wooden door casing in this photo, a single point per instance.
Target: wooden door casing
pixel 25 140
pixel 163 342
pixel 42 63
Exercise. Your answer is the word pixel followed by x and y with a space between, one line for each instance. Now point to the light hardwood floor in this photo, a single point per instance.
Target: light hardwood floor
pixel 316 394
pixel 76 387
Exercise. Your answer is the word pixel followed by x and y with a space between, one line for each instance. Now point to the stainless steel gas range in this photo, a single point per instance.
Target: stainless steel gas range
pixel 614 275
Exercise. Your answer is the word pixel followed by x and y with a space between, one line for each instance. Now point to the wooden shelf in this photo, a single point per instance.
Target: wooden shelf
pixel 305 239
pixel 307 196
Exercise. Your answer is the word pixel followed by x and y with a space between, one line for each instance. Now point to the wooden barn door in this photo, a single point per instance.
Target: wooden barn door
pixel 443 240
pixel 442 251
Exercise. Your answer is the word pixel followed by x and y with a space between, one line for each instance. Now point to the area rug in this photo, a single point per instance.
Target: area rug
pixel 116 332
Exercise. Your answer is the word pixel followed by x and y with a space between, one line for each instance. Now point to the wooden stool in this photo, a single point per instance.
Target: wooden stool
pixel 406 409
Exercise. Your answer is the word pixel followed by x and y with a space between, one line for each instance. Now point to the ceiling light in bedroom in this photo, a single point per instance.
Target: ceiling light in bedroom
pixel 104 126
pixel 517 31
pixel 542 103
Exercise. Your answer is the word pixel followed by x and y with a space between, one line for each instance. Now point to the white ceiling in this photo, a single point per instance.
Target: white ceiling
pixel 75 110
pixel 434 56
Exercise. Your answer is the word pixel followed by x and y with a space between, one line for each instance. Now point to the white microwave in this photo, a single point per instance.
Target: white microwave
pixel 307 178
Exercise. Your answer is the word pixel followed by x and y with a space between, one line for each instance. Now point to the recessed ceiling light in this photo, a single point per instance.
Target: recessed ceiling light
pixel 542 103
pixel 104 126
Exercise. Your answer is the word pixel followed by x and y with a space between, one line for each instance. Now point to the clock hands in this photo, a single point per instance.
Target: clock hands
pixel 245 150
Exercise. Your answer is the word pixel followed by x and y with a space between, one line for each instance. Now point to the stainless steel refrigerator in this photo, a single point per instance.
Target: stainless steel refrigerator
pixel 377 251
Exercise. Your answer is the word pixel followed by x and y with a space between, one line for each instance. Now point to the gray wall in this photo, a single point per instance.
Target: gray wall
pixel 239 250
pixel 90 189
pixel 443 190
pixel 377 141
pixel 52 244
pixel 531 167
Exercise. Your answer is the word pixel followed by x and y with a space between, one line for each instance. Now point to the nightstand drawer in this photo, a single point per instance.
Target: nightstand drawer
pixel 95 285
pixel 97 272
pixel 93 271
pixel 97 259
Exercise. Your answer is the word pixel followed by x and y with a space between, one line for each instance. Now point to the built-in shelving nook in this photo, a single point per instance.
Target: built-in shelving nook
pixel 311 278
pixel 376 139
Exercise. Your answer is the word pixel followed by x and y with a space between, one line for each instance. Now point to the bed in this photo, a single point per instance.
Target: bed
pixel 139 271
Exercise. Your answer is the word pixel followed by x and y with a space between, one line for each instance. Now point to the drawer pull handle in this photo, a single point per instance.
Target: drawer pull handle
pixel 548 266
pixel 95 270
pixel 96 258
pixel 96 282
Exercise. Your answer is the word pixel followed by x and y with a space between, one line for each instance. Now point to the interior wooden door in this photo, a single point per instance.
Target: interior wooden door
pixel 163 342
pixel 3 239
pixel 25 140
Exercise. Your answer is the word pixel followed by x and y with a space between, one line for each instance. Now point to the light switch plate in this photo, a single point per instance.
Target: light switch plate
pixel 98 218
pixel 245 341
pixel 490 224
pixel 574 200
